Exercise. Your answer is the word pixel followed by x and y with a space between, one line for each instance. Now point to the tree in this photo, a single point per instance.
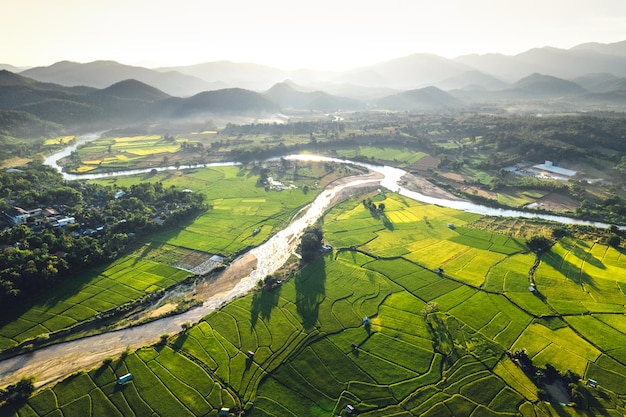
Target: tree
pixel 430 307
pixel 614 240
pixel 311 243
pixel 559 232
pixel 18 392
pixel 539 244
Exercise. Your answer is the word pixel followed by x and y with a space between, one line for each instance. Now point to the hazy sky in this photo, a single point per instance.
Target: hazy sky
pixel 291 34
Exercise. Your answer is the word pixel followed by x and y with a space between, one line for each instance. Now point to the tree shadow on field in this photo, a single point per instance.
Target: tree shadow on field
pixel 387 223
pixel 147 250
pixel 263 302
pixel 583 253
pixel 569 270
pixel 310 292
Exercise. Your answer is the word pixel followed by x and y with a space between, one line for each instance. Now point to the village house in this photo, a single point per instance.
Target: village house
pixel 17 215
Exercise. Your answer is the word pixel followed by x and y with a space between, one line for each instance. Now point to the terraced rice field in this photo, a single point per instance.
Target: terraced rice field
pixel 305 349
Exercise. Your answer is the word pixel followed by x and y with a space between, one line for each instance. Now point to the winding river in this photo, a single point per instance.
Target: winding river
pixel 392 178
pixel 53 362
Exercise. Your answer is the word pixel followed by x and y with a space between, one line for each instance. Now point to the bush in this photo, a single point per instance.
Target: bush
pixel 539 244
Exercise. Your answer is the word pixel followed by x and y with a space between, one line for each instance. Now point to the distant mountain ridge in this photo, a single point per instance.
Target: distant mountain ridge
pixel 405 73
pixel 101 74
pixel 539 85
pixel 104 93
pixel 24 101
pixel 287 95
pixel 423 99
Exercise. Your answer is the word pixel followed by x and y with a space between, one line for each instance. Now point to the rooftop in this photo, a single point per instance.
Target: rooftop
pixel 548 166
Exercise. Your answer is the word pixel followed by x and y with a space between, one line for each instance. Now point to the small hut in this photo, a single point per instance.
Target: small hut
pixel 124 379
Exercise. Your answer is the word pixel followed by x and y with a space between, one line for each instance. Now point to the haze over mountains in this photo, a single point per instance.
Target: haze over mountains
pixel 405 73
pixel 589 76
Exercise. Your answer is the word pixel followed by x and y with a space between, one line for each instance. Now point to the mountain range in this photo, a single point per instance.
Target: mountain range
pixel 487 71
pixel 588 76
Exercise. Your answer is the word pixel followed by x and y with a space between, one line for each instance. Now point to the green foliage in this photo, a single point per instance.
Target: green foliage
pixel 17 393
pixel 311 243
pixel 42 255
pixel 539 244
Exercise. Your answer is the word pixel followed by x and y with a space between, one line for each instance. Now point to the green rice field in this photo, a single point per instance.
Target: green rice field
pixel 415 320
pixel 239 208
pixel 74 302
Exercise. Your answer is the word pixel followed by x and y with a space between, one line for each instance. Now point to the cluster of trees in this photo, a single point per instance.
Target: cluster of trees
pixel 369 204
pixel 36 255
pixel 311 243
pixel 539 244
pixel 279 129
pixel 548 375
pixel 17 393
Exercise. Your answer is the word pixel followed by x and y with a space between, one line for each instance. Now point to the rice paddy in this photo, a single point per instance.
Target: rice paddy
pixel 414 317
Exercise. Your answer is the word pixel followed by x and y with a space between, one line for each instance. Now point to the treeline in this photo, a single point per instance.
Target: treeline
pixel 296 128
pixel 36 255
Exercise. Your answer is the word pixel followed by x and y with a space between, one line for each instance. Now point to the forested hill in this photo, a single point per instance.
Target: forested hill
pixel 49 107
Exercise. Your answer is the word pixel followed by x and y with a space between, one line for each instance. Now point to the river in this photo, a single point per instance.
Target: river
pixel 53 362
pixel 391 181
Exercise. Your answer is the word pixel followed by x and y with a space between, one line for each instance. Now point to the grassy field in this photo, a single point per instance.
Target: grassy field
pixel 125 152
pixel 434 342
pixel 144 151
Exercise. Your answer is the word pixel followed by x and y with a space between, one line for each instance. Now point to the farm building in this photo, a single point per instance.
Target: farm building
pixel 349 409
pixel 224 411
pixel 550 167
pixel 124 378
pixel 64 221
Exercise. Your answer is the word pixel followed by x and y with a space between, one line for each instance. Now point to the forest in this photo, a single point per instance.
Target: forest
pixel 36 254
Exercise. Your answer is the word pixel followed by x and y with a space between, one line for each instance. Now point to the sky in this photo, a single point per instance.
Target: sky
pixel 290 34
